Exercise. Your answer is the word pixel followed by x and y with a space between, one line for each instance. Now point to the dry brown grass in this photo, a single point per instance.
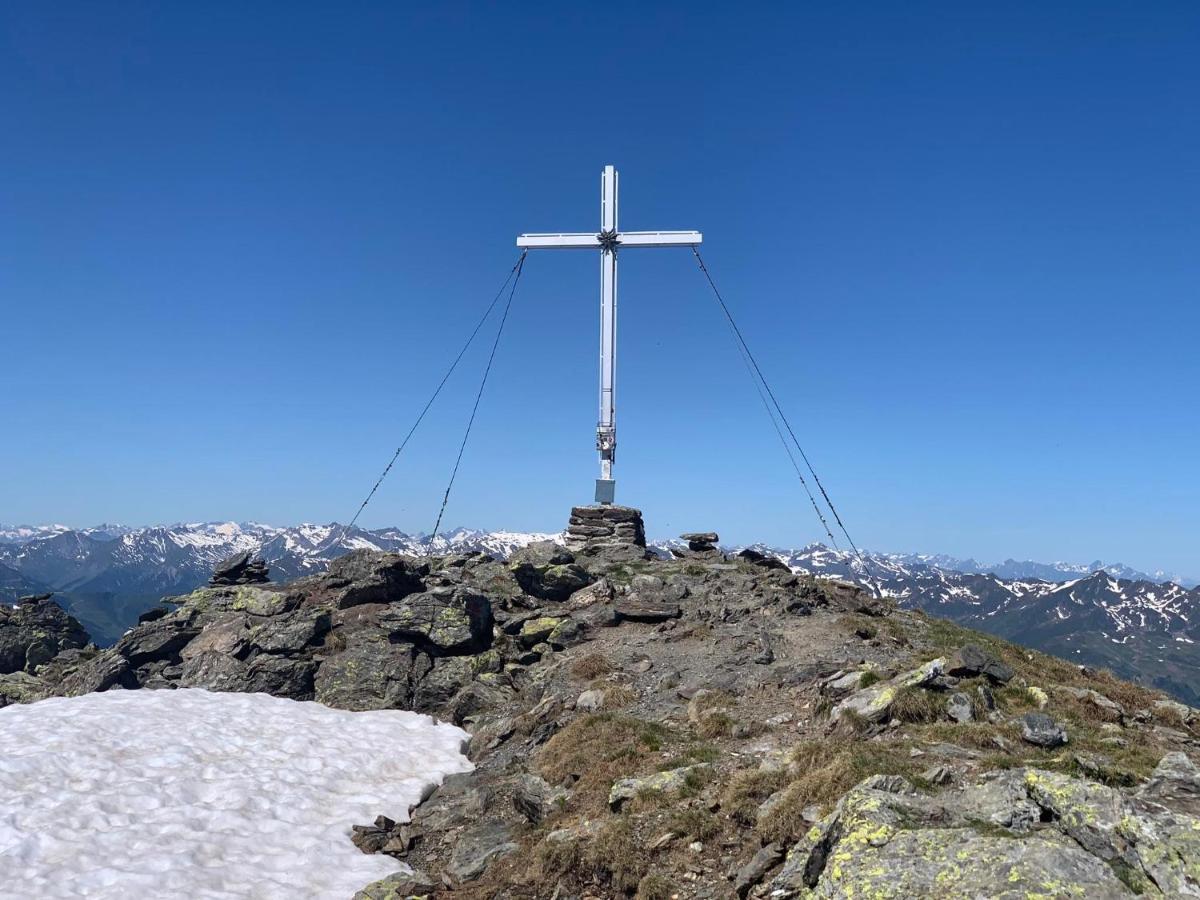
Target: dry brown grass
pixel 613 856
pixel 617 696
pixel 916 704
pixel 598 749
pixel 747 789
pixel 591 667
pixel 827 770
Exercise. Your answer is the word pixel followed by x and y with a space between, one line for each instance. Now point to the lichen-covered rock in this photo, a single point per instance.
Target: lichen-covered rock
pixel 401 886
pixel 1175 783
pixel 1156 848
pixel 887 843
pixel 370 672
pixel 548 571
pixel 670 782
pixel 875 702
pixel 34 631
pixel 442 621
pixel 367 576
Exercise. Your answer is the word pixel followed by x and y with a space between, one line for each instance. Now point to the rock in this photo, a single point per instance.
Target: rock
pixel 875 702
pixel 701 541
pixel 265 673
pixel 535 799
pixel 1176 710
pixel 1175 783
pixel 152 615
pixel 632 611
pixel 600 591
pixel 891 843
pixel 1041 730
pixel 400 886
pixel 477 847
pixel 368 576
pixel 374 838
pixel 986 697
pixel 760 864
pixel 590 701
pixel 227 634
pixel 972 660
pixel 938 775
pixel 1156 848
pixel 1039 696
pixel 537 630
pixel 241 568
pixel 442 622
pixel 34 631
pixel 369 673
pixel 290 633
pixel 460 799
pixel 1105 706
pixel 161 640
pixel 671 782
pixel 843 682
pixel 548 571
pixel 958 707
pixel 763 560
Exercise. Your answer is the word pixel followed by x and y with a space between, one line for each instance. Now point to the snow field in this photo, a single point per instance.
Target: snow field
pixel 187 793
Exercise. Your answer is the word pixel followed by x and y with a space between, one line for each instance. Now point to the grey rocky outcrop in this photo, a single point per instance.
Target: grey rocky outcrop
pixel 620 701
pixel 1076 839
pixel 33 631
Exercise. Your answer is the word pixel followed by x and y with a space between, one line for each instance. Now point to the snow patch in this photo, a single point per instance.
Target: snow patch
pixel 206 795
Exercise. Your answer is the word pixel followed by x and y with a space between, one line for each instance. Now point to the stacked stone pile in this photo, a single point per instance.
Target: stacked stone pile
pixel 241 568
pixel 701 544
pixel 607 531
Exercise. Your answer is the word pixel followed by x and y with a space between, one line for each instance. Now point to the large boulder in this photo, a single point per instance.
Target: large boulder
pixel 442 622
pixel 369 673
pixel 548 571
pixel 34 631
pixel 368 576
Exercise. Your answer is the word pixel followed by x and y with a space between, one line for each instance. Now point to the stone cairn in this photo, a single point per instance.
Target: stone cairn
pixel 241 568
pixel 610 531
pixel 700 544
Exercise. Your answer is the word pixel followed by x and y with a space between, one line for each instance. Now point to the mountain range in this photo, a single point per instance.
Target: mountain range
pixel 1144 626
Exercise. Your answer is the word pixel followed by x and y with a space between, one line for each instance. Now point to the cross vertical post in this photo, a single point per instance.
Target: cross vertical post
pixel 607 241
pixel 606 426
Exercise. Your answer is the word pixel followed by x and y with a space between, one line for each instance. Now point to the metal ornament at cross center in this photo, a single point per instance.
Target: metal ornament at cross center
pixel 608 240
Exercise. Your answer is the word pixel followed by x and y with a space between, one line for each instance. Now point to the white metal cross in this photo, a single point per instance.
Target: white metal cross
pixel 607 241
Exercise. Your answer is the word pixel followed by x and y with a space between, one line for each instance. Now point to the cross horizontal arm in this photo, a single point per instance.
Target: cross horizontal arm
pixel 624 239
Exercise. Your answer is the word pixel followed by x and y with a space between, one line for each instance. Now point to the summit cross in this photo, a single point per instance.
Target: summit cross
pixel 608 240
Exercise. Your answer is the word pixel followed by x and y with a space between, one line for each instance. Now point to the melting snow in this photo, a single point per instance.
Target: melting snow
pixel 216 796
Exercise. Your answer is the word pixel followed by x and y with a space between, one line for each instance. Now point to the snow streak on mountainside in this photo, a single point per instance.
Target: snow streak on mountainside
pixel 1143 627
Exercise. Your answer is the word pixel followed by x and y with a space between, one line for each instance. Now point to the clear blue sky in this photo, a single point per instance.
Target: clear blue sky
pixel 240 242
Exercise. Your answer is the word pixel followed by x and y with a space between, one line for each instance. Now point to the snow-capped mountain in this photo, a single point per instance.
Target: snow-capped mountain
pixel 107 575
pixel 1141 626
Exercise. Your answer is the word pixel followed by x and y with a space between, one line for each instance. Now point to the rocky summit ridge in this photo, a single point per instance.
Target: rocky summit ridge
pixel 706 726
pixel 1141 626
